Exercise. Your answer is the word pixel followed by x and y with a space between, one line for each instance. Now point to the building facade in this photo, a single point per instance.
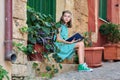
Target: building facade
pixel 87 16
pixel 102 11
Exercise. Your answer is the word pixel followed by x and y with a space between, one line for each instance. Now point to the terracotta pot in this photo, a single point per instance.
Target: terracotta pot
pixel 93 56
pixel 112 52
pixel 38 56
pixel 35 57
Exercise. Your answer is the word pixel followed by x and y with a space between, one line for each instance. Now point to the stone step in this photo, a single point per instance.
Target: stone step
pixel 68 67
pixel 42 66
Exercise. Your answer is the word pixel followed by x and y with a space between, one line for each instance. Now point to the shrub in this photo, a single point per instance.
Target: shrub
pixel 111 31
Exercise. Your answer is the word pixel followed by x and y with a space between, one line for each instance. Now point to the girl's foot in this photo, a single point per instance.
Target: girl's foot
pixel 84 67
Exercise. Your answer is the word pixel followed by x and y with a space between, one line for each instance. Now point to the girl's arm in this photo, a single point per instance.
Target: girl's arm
pixel 61 40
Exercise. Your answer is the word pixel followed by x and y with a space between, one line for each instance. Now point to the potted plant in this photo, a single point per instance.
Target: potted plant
pixel 112 47
pixel 93 55
pixel 41 31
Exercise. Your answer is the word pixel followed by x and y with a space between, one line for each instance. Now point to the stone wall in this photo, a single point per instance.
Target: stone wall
pixel 80 16
pixel 60 6
pixel 19 68
pixel 79 8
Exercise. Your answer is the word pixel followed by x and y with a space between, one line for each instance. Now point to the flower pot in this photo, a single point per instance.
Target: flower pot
pixel 38 55
pixel 93 56
pixel 112 52
pixel 35 57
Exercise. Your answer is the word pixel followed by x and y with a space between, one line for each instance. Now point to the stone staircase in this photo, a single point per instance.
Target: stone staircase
pixel 33 74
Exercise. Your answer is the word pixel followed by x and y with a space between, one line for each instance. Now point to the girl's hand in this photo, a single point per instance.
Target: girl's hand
pixel 73 41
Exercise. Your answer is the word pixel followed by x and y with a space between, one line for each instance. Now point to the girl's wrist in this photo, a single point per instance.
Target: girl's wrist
pixel 69 42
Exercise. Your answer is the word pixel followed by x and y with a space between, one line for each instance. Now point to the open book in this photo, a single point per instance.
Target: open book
pixel 77 37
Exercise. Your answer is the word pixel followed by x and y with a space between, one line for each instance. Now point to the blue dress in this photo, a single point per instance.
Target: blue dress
pixel 66 50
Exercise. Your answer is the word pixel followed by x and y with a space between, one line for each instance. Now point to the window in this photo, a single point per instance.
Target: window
pixel 44 6
pixel 103 9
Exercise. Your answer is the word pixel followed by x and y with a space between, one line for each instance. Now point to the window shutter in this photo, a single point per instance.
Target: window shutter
pixel 44 6
pixel 103 9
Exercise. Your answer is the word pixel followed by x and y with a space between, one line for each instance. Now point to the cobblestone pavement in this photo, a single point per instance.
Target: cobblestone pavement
pixel 108 71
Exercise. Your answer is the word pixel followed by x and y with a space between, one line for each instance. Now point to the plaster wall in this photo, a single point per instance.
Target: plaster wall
pixel 6 64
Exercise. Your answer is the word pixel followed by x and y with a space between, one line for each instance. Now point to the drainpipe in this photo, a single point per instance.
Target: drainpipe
pixel 9 55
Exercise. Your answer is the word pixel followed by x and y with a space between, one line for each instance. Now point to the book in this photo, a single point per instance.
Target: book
pixel 77 37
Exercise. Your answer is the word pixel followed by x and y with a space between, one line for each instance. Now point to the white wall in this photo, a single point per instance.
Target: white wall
pixel 1 31
pixel 6 65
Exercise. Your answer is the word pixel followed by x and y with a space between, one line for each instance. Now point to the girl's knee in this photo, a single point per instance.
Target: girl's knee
pixel 80 44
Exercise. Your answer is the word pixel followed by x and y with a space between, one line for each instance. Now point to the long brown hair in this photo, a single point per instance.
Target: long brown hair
pixel 69 24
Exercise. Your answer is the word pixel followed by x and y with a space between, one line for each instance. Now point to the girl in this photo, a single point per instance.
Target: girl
pixel 67 47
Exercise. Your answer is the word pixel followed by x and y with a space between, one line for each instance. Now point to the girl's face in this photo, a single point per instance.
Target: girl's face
pixel 66 17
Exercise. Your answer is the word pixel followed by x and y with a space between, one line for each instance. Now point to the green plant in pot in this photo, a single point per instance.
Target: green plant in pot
pixel 87 39
pixel 112 33
pixel 41 31
pixel 93 54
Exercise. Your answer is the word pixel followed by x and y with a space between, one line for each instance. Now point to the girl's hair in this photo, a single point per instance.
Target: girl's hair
pixel 69 24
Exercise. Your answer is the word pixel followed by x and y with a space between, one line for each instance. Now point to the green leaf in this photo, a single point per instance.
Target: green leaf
pixel 35 65
pixel 48 68
pixel 30 48
pixel 23 29
pixel 33 17
pixel 58 25
pixel 41 16
pixel 7 77
pixel 44 16
pixel 53 66
pixel 48 24
pixel 32 40
pixel 60 66
pixel 47 75
pixel 46 30
pixel 3 73
pixel 57 58
pixel 48 46
pixel 56 70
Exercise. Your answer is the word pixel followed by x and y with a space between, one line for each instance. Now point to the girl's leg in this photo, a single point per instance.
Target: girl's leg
pixel 80 51
pixel 82 66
